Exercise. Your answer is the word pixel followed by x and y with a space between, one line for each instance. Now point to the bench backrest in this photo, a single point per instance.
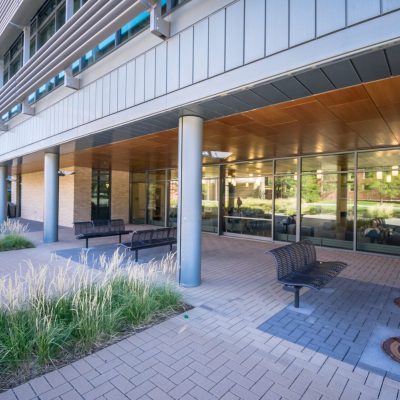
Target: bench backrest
pixel 117 225
pixel 82 228
pixel 148 235
pixel 295 257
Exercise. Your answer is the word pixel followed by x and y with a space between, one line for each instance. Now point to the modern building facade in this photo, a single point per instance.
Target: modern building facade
pixel 269 119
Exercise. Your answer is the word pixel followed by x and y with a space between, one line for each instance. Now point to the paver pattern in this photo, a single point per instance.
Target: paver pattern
pixel 219 352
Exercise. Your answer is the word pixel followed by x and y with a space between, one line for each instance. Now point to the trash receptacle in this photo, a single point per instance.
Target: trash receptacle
pixel 12 210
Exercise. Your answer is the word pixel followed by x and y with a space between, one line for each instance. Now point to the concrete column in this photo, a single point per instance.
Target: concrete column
pixel 26 46
pixel 50 210
pixel 3 193
pixel 69 9
pixel 1 72
pixel 189 203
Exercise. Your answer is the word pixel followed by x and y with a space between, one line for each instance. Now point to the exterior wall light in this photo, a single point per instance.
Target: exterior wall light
pixel 62 172
pixel 379 174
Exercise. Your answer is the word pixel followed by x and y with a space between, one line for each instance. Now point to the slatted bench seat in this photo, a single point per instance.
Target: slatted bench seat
pixel 297 266
pixel 151 238
pixel 100 228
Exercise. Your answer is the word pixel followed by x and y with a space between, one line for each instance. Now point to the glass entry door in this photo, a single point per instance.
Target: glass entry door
pixel 156 203
pixel 248 199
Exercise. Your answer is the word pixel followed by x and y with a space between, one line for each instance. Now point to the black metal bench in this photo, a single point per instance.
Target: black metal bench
pixel 100 228
pixel 297 266
pixel 151 238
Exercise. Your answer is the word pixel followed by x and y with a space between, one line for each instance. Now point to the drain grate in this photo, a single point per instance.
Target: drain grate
pixel 391 347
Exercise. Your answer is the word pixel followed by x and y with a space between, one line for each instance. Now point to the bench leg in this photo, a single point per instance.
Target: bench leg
pixel 136 255
pixel 296 297
pixel 87 243
pixel 120 238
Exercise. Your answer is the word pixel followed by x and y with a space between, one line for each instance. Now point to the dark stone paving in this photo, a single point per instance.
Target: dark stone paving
pixel 342 322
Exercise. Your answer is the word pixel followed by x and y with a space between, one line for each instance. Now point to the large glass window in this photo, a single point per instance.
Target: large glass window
pixel 285 187
pixel 101 194
pixel 13 59
pixel 248 198
pixel 327 200
pixel 138 198
pixel 210 198
pixel 378 202
pixel 156 195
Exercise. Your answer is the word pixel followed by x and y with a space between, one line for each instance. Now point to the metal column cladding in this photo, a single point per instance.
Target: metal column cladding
pixel 3 193
pixel 189 204
pixel 50 212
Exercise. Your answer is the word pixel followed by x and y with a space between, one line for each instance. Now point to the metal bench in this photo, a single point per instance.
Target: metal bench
pixel 100 228
pixel 151 238
pixel 297 266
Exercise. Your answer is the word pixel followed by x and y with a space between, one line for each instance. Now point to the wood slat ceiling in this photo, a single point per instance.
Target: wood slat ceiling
pixel 360 117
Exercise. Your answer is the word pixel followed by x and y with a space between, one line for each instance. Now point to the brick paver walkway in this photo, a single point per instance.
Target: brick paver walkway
pixel 219 352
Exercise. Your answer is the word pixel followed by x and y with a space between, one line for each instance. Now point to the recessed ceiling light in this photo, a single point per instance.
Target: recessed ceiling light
pixel 216 154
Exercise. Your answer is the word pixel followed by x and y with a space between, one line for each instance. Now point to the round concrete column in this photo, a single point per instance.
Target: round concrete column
pixel 189 204
pixel 50 211
pixel 3 193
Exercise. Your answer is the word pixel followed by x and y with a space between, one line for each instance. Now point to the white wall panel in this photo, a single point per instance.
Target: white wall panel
pixel 302 21
pixel 254 33
pixel 106 94
pixel 200 51
pixel 86 105
pixel 150 74
pixel 114 91
pixel 216 43
pixel 173 64
pixel 81 110
pixel 331 15
pixel 75 109
pixel 234 35
pixel 161 69
pixel 389 5
pixel 92 108
pixel 186 58
pixel 70 109
pixel 99 98
pixel 121 87
pixel 130 84
pixel 139 80
pixel 277 26
pixel 359 10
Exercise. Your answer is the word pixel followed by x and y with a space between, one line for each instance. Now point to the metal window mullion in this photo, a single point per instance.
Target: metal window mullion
pixel 273 201
pixel 298 200
pixel 355 202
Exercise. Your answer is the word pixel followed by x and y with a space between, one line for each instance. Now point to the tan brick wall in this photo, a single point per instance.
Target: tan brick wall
pixel 32 186
pixel 14 190
pixel 120 195
pixel 66 199
pixel 82 194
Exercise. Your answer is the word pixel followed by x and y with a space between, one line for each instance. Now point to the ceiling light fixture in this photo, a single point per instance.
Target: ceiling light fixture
pixel 216 154
pixel 62 172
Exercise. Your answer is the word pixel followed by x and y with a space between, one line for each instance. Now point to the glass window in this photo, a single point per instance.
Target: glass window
pixel 156 195
pixel 105 46
pixel 13 59
pixel 101 194
pixel 46 33
pixel 378 202
pixel 285 217
pixel 248 198
pixel 327 200
pixel 210 198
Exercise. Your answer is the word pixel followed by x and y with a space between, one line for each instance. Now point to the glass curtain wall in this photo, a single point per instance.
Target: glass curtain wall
pixel 285 197
pixel 327 200
pixel 101 194
pixel 248 199
pixel 138 198
pixel 156 197
pixel 210 198
pixel 378 202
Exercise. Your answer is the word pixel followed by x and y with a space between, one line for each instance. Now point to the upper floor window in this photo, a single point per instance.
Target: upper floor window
pixel 78 4
pixel 49 19
pixel 13 59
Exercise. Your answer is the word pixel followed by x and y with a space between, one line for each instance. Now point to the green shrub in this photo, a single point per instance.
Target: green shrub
pixel 14 242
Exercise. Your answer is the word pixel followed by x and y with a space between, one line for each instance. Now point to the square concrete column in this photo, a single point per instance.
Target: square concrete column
pixel 189 203
pixel 50 209
pixel 3 193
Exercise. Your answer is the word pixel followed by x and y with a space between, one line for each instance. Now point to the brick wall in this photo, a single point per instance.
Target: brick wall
pixel 32 186
pixel 82 194
pixel 120 195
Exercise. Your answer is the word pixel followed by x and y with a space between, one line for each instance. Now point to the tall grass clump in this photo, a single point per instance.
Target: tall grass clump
pixel 48 316
pixel 12 235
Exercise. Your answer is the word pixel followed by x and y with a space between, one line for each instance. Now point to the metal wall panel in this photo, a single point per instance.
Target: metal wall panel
pixel 86 107
pixel 114 92
pixel 173 64
pixel 161 69
pixel 331 15
pixel 216 44
pixel 150 75
pixel 200 51
pixel 92 102
pixel 254 34
pixel 99 98
pixel 360 10
pixel 302 21
pixel 234 35
pixel 106 94
pixel 186 58
pixel 390 5
pixel 130 84
pixel 139 80
pixel 277 26
pixel 121 87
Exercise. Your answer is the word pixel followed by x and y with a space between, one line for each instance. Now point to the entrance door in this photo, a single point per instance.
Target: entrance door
pixel 138 202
